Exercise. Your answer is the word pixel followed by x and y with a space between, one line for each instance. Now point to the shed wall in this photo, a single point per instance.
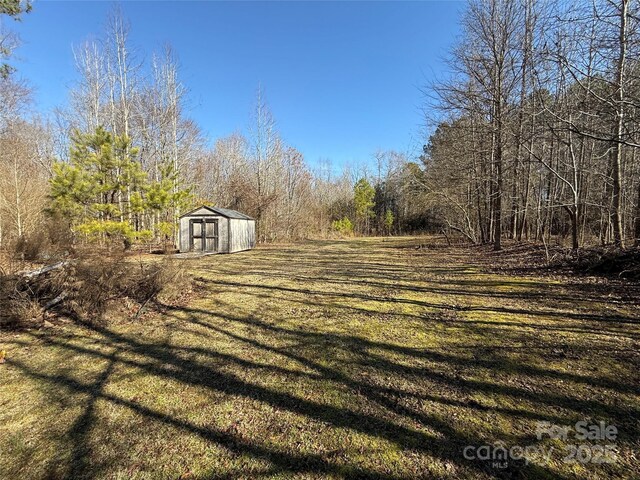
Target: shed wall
pixel 243 234
pixel 223 234
pixel 184 234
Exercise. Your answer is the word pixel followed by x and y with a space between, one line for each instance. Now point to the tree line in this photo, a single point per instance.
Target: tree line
pixel 537 127
pixel 535 137
pixel 122 159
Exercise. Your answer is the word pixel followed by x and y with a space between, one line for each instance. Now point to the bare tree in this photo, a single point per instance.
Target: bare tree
pixel 265 154
pixel 23 181
pixel 88 98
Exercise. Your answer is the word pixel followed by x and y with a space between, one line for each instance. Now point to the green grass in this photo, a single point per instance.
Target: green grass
pixel 343 359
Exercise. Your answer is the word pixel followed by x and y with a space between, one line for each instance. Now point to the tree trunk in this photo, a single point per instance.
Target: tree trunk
pixel 497 210
pixel 573 217
pixel 616 167
pixel 637 225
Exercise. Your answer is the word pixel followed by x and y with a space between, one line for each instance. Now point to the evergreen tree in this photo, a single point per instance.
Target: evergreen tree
pixel 12 8
pixel 343 226
pixel 363 198
pixel 388 221
pixel 164 198
pixel 103 191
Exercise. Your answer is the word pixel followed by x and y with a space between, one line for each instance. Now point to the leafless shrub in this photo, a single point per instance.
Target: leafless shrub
pixel 160 282
pixel 29 247
pixel 608 262
pixel 91 282
pixel 96 284
pixel 59 234
pixel 53 240
pixel 18 308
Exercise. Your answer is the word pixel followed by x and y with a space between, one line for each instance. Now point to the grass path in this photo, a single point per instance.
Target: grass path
pixel 350 359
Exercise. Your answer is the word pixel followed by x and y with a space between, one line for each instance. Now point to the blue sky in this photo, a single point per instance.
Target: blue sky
pixel 342 78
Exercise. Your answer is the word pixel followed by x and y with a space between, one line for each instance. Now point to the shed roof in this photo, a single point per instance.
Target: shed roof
pixel 225 212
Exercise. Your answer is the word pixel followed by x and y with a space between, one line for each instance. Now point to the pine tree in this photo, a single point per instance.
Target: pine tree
pixel 14 9
pixel 103 190
pixel 388 221
pixel 363 198
pixel 164 197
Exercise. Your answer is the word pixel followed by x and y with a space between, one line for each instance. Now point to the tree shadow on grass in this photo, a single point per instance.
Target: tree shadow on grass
pixel 587 323
pixel 179 364
pixel 354 271
pixel 366 347
pixel 80 431
pixel 399 395
pixel 175 363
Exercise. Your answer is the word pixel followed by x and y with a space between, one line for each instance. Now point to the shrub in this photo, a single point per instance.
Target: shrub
pixel 90 282
pixel 98 284
pixel 159 281
pixel 17 307
pixel 59 235
pixel 343 227
pixel 29 247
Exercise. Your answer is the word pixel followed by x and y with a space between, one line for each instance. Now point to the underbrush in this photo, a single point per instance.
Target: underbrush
pixel 524 257
pixel 609 262
pixel 90 287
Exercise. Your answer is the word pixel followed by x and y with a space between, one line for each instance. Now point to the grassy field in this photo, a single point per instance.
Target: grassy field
pixel 331 359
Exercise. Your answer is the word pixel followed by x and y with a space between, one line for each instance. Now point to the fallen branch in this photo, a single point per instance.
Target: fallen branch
pixel 144 304
pixel 55 301
pixel 469 236
pixel 42 270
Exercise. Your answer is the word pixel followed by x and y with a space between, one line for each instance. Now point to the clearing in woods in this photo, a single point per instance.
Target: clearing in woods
pixel 339 359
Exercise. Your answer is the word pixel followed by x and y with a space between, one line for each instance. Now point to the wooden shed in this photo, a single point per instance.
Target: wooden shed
pixel 216 230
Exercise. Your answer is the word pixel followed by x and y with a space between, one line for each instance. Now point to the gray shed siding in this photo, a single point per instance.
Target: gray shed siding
pixel 243 234
pixel 236 231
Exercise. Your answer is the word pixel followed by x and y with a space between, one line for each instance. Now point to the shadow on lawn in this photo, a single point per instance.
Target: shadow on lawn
pixel 465 279
pixel 398 414
pixel 420 303
pixel 564 322
pixel 176 363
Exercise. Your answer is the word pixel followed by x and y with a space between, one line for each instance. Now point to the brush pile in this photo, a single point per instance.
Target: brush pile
pixel 88 288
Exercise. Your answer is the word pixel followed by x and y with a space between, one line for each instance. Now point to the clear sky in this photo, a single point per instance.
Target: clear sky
pixel 342 78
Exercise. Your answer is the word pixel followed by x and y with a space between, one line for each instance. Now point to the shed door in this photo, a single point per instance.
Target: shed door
pixel 211 235
pixel 195 230
pixel 204 235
